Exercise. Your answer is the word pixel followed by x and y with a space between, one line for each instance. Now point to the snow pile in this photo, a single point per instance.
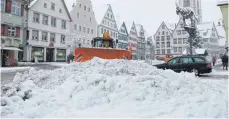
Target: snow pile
pixel 112 88
pixel 13 69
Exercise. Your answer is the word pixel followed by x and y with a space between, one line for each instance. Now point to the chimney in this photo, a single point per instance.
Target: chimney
pixel 73 5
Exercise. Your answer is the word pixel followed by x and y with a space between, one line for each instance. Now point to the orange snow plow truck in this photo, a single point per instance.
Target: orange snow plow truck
pixel 102 47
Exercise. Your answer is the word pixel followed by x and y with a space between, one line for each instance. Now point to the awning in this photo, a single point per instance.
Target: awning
pixel 11 48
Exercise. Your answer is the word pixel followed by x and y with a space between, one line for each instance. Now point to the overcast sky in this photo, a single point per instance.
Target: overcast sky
pixel 150 13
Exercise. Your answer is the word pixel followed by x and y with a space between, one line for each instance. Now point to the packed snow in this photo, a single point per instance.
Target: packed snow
pixel 112 88
pixel 13 69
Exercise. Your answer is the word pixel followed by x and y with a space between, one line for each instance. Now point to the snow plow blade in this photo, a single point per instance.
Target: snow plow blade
pixel 85 54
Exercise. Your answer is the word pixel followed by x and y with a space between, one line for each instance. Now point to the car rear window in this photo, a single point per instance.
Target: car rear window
pixel 199 60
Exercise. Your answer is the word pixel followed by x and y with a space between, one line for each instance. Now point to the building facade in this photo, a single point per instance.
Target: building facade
pixel 123 37
pixel 195 5
pixel 141 44
pixel 133 39
pixel 210 37
pixel 163 40
pixel 48 30
pixel 149 48
pixel 180 39
pixel 12 12
pixel 108 24
pixel 83 25
pixel 223 4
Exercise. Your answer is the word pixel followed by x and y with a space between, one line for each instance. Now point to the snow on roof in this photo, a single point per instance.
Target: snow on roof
pixel 171 26
pixel 205 29
pixel 138 28
pixel 222 35
pixel 200 51
pixel 222 2
pixel 32 3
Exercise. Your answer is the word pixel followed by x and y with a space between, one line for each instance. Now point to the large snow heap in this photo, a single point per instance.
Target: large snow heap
pixel 112 88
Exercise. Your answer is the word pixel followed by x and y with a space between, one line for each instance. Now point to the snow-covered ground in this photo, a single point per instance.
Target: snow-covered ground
pixel 113 88
pixel 59 64
pixel 13 69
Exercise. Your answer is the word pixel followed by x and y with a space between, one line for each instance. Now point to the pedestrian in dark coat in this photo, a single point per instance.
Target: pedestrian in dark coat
pixel 225 61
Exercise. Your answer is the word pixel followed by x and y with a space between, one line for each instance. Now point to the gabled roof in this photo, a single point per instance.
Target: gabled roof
pixel 133 25
pixel 205 29
pixel 124 25
pixel 35 1
pixel 139 28
pixel 170 26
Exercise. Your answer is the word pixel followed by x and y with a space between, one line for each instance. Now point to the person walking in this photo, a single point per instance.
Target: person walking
pixel 213 60
pixel 225 61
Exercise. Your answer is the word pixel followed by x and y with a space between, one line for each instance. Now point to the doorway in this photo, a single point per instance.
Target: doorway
pixel 49 54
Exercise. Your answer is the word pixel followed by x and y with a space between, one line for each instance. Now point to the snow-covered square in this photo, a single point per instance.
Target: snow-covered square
pixel 113 88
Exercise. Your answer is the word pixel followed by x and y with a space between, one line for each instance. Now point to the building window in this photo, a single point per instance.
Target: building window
pixel 186 3
pixel 90 19
pixel 84 29
pixel 158 52
pixel 180 49
pixel 45 5
pixel 89 9
pixel 35 35
pixel 75 27
pixel 158 33
pixel 158 45
pixel 52 37
pixel 163 44
pixel 80 28
pixel 108 15
pixel 101 30
pixel 62 39
pixel 92 31
pixel 163 33
pixel 52 6
pixel 80 5
pixel 2 5
pixel 168 37
pixel 85 8
pixel 111 17
pixel 163 51
pixel 168 44
pixel 63 24
pixel 163 26
pixel 162 38
pixel 157 38
pixel 16 8
pixel 60 10
pixel 11 31
pixel 45 20
pixel 185 41
pixel 88 30
pixel 181 25
pixel 168 51
pixel 78 15
pixel 53 22
pixel 179 40
pixel 174 41
pixel 175 49
pixel 36 17
pixel 183 32
pixel 44 36
pixel 179 32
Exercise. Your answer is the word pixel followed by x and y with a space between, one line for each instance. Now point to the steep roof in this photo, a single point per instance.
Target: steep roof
pixel 138 28
pixel 124 25
pixel 100 11
pixel 170 26
pixel 33 2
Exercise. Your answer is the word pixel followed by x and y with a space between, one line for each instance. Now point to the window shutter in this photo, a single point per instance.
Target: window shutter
pixel 17 31
pixel 6 30
pixel 8 6
pixel 2 29
pixel 22 10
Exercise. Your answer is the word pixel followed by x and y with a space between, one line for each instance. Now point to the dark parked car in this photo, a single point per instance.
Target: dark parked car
pixel 196 64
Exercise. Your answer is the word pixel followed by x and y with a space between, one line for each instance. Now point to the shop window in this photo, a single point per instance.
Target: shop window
pixel 38 53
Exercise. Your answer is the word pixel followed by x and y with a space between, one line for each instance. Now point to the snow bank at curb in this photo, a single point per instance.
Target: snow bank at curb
pixel 13 69
pixel 112 88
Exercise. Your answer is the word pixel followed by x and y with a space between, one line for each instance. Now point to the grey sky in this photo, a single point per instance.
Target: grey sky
pixel 150 13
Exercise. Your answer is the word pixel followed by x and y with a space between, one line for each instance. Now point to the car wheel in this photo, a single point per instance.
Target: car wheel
pixel 196 72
